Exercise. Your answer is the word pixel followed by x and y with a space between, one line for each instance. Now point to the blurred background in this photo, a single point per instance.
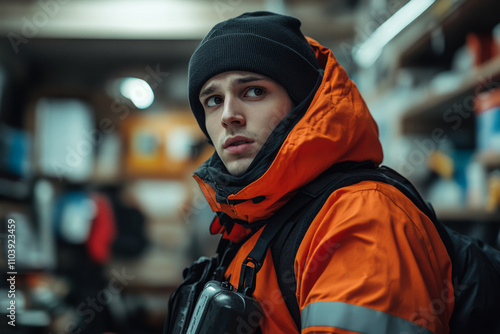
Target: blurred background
pixel 97 142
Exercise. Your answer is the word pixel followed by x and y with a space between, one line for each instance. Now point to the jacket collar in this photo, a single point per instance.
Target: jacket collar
pixel 333 125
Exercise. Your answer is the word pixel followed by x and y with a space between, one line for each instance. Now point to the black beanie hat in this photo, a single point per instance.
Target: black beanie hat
pixel 261 42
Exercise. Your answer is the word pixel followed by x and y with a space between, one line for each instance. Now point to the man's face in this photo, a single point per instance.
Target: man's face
pixel 241 111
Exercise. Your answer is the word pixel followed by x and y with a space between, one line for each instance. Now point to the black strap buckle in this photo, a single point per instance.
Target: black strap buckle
pixel 248 276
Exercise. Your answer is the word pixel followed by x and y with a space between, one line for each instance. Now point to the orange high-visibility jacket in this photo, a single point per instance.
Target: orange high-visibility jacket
pixel 370 262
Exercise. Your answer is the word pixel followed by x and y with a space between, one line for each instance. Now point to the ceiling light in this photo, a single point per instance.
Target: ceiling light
pixel 138 91
pixel 368 52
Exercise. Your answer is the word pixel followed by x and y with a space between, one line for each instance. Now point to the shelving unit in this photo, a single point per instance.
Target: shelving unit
pixel 436 108
pixel 448 20
pixel 451 19
pixel 430 44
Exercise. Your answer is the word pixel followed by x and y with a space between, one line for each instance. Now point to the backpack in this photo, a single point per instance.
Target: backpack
pixel 475 265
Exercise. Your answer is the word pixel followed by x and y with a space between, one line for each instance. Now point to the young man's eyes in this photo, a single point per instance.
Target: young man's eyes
pixel 255 92
pixel 213 101
pixel 252 92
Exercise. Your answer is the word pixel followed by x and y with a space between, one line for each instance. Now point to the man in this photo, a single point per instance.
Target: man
pixel 280 111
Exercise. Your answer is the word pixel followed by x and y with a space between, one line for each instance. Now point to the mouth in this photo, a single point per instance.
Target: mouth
pixel 236 141
pixel 240 142
pixel 237 145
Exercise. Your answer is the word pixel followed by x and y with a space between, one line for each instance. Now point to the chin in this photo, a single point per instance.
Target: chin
pixel 237 168
pixel 236 172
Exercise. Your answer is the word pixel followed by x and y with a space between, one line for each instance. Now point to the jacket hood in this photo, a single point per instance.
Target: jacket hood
pixel 335 127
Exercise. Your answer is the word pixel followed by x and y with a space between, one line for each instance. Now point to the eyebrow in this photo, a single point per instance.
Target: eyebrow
pixel 239 81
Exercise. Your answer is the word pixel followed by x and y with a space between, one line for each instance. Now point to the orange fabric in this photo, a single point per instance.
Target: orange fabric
pixel 391 261
pixel 267 291
pixel 319 329
pixel 369 245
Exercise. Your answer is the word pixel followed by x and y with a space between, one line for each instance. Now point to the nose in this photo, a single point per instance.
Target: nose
pixel 232 114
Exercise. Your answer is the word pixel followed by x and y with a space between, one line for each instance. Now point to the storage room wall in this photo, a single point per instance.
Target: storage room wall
pixel 97 143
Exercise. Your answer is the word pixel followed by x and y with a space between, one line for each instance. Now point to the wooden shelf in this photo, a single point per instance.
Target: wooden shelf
pixel 413 48
pixel 423 116
pixel 454 20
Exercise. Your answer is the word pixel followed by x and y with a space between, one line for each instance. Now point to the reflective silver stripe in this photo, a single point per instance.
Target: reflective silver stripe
pixel 357 319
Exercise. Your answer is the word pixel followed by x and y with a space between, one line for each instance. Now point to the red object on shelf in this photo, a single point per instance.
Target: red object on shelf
pixel 483 48
pixel 103 231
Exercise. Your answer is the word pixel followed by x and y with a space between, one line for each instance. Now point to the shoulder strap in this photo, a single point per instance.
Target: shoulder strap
pixel 280 221
pixel 287 244
pixel 254 260
pixel 476 265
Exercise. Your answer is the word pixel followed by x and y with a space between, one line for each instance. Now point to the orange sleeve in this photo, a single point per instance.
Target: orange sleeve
pixel 370 254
